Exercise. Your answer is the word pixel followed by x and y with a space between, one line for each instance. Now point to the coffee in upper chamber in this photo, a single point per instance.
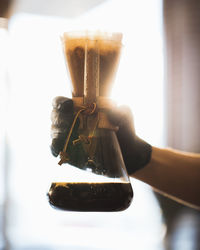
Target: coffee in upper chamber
pixel 107 54
pixel 96 197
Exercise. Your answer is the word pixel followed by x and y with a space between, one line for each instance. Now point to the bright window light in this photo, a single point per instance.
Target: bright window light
pixel 37 75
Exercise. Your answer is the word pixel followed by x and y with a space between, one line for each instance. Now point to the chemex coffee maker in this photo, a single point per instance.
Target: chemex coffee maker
pixel 92 175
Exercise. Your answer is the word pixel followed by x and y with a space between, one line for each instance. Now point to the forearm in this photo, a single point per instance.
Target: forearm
pixel 173 173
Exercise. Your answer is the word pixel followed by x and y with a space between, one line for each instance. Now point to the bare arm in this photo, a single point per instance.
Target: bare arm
pixel 175 174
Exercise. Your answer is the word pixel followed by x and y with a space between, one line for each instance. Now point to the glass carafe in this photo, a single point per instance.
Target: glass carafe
pixel 92 175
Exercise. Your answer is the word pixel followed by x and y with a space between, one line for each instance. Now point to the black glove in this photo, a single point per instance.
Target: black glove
pixel 136 152
pixel 61 118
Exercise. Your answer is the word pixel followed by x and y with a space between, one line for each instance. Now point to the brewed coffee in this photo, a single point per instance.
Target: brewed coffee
pixel 91 196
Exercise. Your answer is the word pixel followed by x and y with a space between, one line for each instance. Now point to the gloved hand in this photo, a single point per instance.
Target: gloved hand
pixel 136 152
pixel 61 118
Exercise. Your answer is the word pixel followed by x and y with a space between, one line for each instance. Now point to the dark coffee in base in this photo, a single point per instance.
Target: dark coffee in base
pixel 89 197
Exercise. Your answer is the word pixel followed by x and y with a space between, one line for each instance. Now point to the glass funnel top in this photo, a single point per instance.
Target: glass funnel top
pixel 92 57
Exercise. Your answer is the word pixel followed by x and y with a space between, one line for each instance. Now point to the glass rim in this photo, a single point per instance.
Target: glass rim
pixel 93 35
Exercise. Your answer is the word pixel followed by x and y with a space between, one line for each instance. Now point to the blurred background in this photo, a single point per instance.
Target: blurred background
pixel 158 77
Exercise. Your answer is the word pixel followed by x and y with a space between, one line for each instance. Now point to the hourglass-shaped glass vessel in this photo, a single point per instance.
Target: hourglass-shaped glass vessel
pixel 92 175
